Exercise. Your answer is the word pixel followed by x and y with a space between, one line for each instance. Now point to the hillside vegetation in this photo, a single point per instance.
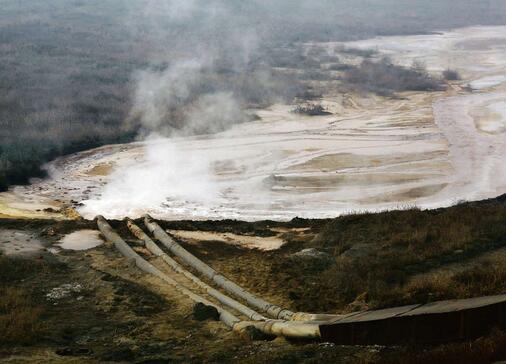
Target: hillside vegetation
pixel 394 258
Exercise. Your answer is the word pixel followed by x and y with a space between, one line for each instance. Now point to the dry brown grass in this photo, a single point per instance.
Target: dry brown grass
pixel 20 317
pixel 395 246
pixel 20 312
pixel 486 279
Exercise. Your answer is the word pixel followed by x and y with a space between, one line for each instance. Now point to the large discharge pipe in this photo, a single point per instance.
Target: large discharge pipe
pixel 221 281
pixel 226 317
pixel 306 330
pixel 228 301
pixel 231 287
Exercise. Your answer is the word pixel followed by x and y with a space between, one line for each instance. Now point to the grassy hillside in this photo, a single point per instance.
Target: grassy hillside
pixel 370 261
pixel 388 259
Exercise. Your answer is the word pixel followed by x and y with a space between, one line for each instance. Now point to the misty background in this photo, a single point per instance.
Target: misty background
pixel 79 74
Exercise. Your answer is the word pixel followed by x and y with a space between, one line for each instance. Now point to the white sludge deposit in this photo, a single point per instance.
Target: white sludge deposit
pixel 81 240
pixel 425 149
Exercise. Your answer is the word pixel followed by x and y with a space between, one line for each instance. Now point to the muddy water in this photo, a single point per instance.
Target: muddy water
pixel 20 243
pixel 81 240
pixel 371 153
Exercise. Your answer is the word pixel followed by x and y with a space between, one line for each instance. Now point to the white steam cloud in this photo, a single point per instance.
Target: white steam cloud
pixel 165 174
pixel 174 101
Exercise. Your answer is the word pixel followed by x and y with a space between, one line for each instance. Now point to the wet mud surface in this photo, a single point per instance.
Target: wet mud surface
pixel 428 149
